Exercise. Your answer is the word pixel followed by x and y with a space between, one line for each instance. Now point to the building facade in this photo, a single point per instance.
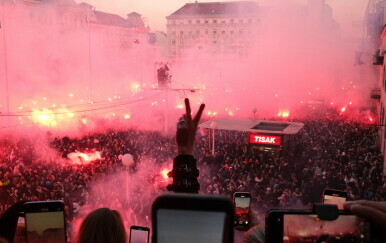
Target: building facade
pixel 62 42
pixel 237 27
pixel 376 43
pixel 216 28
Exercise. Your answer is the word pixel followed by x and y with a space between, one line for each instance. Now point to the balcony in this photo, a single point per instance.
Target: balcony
pixel 375 94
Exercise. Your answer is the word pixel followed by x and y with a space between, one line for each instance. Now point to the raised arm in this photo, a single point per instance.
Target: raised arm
pixel 185 170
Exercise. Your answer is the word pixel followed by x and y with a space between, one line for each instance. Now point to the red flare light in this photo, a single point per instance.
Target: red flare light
pixel 164 173
pixel 283 114
pixel 83 158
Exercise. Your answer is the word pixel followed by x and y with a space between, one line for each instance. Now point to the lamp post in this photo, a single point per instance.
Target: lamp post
pixel 127 160
pixel 213 126
pixel 254 110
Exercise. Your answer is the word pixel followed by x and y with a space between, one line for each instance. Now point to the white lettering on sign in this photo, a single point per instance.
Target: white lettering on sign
pixel 259 139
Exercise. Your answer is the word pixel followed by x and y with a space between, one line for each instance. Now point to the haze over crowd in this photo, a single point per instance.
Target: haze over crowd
pixel 289 64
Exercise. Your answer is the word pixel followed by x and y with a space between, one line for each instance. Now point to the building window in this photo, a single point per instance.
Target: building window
pixel 214 21
pixel 214 42
pixel 223 22
pixel 223 32
pixel 181 32
pixel 240 32
pixel 173 22
pixel 232 21
pixel 197 32
pixel 189 21
pixel 173 33
pixel 198 21
pixel 206 32
pixel 206 21
pixel 173 42
pixel 240 21
pixel 214 32
pixel 231 32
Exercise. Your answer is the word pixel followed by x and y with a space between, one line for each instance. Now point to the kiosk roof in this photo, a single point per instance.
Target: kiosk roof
pixel 251 125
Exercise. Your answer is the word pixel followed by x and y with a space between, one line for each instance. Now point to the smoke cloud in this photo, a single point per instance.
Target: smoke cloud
pixel 66 73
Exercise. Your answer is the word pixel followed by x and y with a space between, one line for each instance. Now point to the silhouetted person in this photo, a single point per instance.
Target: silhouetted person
pixel 102 226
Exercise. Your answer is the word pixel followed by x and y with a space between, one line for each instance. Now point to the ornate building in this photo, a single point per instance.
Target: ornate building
pixel 376 43
pixel 219 27
pixel 55 42
pixel 236 27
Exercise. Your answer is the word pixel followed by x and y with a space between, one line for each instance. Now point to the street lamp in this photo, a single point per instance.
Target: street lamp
pixel 213 126
pixel 254 110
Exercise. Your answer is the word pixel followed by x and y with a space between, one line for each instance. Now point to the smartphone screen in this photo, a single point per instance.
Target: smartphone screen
pixel 190 226
pixel 335 197
pixel 309 228
pixel 139 234
pixel 304 226
pixel 45 222
pixel 191 218
pixel 242 202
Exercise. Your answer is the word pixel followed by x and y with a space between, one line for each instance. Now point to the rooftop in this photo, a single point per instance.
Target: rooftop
pixel 251 125
pixel 111 19
pixel 216 8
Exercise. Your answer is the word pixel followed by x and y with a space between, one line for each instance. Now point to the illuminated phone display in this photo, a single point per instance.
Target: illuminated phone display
pixel 309 228
pixel 44 222
pixel 139 234
pixel 242 202
pixel 335 197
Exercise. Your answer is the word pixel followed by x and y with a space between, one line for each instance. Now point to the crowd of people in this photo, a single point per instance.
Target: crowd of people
pixel 328 152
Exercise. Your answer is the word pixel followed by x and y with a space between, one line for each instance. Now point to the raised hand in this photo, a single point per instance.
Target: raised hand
pixel 187 128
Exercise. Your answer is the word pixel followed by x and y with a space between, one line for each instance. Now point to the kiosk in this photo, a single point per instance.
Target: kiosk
pixel 272 136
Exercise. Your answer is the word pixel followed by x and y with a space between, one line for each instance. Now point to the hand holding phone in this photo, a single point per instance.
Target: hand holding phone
pixel 44 222
pixel 284 226
pixel 139 234
pixel 242 201
pixel 370 210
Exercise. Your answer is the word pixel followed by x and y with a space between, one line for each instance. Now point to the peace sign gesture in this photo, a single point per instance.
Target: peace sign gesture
pixel 187 128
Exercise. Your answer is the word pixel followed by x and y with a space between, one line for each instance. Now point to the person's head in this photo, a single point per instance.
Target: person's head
pixel 102 226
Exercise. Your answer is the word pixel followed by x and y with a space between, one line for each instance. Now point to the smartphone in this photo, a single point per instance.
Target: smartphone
pixel 242 202
pixel 45 222
pixel 337 197
pixel 305 226
pixel 192 218
pixel 139 234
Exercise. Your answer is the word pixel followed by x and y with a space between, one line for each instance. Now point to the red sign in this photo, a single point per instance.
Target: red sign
pixel 264 139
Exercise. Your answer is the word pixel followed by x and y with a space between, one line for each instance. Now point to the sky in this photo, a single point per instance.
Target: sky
pixel 348 13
